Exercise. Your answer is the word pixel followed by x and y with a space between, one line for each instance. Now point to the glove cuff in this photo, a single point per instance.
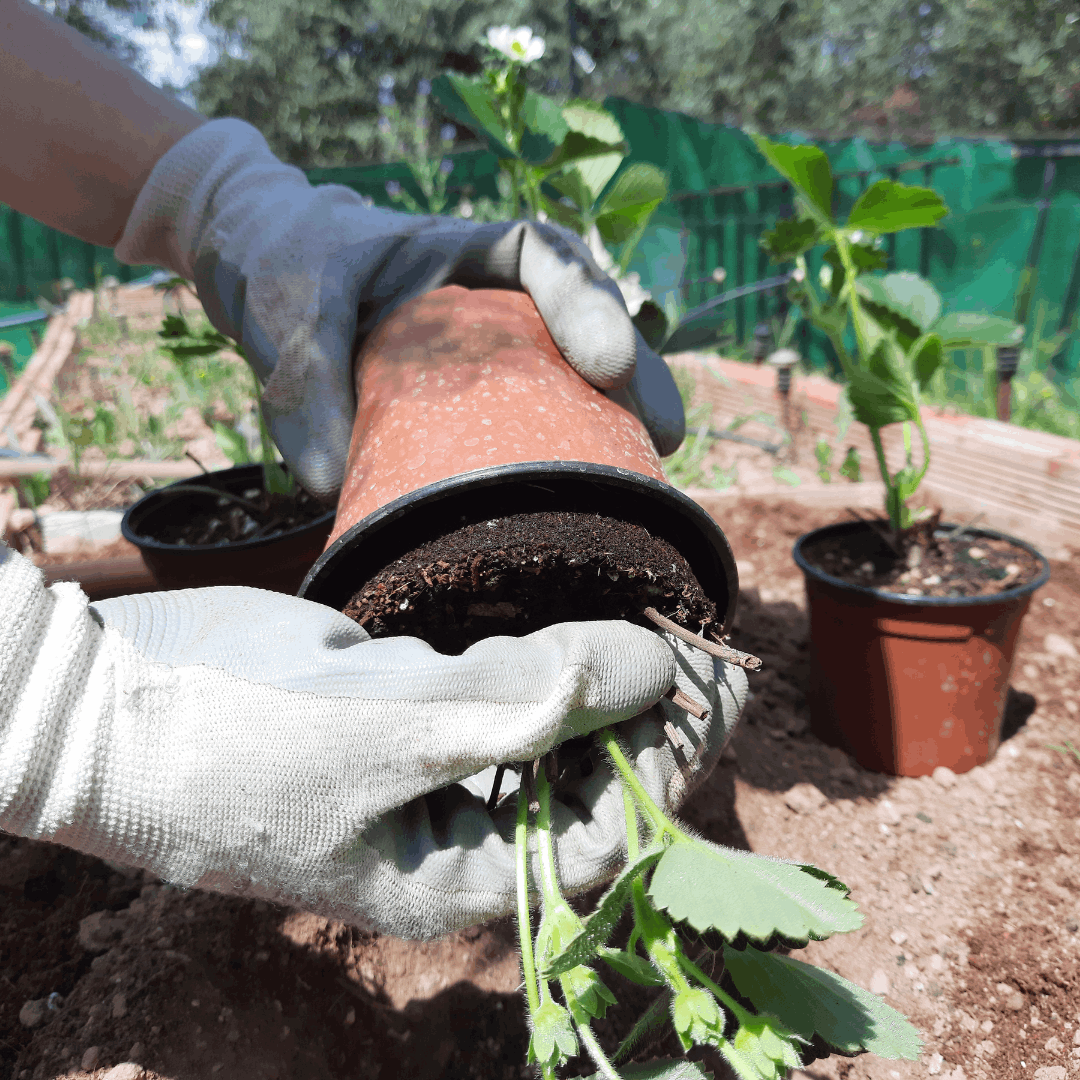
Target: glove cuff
pixel 175 207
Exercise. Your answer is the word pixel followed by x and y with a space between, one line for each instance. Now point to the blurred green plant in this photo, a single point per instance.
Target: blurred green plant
pixel 851 466
pixel 35 489
pixel 823 451
pixel 192 351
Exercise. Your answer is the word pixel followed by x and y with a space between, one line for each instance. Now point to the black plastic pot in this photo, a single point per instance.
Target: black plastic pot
pixel 277 563
pixel 907 683
pixel 429 512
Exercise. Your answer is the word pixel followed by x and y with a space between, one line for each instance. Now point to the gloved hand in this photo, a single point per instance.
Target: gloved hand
pixel 300 275
pixel 260 744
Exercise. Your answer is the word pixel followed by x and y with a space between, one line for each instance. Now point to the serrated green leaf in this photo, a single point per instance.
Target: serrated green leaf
pixel 888 206
pixel 740 893
pixel 908 294
pixel 881 392
pixel 662 1070
pixel 630 966
pixel 593 120
pixel 601 923
pixel 789 238
pixel 470 103
pixel 545 128
pixel 596 161
pixel 806 168
pixel 630 202
pixel 926 355
pixel 567 216
pixel 571 183
pixel 972 330
pixel 811 1002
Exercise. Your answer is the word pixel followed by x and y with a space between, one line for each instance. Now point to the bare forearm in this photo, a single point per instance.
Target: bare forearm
pixel 80 130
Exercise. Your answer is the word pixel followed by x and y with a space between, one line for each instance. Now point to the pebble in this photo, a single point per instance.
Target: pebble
pixel 933 1067
pixel 984 778
pixel 944 777
pixel 976 553
pixel 119 1006
pixel 1050 1072
pixel 126 1070
pixel 350 1018
pixel 879 982
pixel 1054 1045
pixel 91 1057
pixel 1057 645
pixel 898 937
pixel 1015 1001
pixel 136 1053
pixel 33 1012
pixel 1076 1038
pixel 804 798
pixel 100 931
pixel 887 812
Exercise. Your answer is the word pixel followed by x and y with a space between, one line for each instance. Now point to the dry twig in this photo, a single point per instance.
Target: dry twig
pixel 719 650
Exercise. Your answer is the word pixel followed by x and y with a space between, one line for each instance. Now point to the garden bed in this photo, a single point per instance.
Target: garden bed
pixel 109 416
pixel 970 886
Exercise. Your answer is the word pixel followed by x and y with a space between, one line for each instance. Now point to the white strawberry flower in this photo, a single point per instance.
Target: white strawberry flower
pixel 519 44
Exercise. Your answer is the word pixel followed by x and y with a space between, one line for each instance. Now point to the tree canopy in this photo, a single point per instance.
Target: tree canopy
pixel 314 75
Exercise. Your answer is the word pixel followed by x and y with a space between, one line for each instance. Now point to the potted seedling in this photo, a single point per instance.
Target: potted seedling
pixel 913 623
pixel 511 516
pixel 248 525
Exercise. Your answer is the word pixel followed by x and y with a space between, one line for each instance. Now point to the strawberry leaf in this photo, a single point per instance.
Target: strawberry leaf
pixel 741 894
pixel 819 1005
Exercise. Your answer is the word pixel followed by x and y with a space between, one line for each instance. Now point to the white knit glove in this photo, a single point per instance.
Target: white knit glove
pixel 300 275
pixel 255 743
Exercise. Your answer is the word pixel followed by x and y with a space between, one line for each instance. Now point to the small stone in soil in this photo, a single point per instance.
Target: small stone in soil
pixel 90 1059
pixel 33 1012
pixel 804 799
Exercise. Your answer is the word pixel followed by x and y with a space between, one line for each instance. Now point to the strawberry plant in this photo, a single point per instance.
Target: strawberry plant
pixel 697 908
pixel 887 329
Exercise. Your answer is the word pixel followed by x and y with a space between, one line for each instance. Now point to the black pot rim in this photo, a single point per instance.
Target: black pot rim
pixel 534 472
pixel 1015 593
pixel 221 478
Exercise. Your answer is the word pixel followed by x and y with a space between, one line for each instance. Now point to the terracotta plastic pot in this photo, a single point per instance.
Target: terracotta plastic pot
pixel 277 563
pixel 907 683
pixel 467 411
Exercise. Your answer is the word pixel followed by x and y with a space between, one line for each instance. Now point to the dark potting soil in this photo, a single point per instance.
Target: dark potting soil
pixel 950 564
pixel 256 515
pixel 513 575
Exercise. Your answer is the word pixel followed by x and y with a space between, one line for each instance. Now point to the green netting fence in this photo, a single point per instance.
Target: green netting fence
pixel 1011 245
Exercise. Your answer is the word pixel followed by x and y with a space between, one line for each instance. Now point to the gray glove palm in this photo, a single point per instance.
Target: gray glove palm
pixel 299 275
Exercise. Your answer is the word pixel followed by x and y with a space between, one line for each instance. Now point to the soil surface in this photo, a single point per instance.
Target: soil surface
pixel 951 563
pixel 227 519
pixel 513 575
pixel 970 886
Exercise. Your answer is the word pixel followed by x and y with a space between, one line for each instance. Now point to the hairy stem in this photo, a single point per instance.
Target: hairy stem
pixel 656 816
pixel 549 882
pixel 603 1066
pixel 521 846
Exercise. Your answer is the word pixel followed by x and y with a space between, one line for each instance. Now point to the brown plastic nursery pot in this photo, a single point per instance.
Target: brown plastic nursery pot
pixel 908 683
pixel 277 563
pixel 467 411
pixel 459 380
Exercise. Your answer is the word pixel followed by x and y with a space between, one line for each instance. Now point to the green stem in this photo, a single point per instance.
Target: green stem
pixel 549 882
pixel 853 297
pixel 604 1067
pixel 630 813
pixel 521 845
pixel 653 812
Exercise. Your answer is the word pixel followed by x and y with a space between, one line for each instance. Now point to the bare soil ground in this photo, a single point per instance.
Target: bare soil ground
pixel 970 886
